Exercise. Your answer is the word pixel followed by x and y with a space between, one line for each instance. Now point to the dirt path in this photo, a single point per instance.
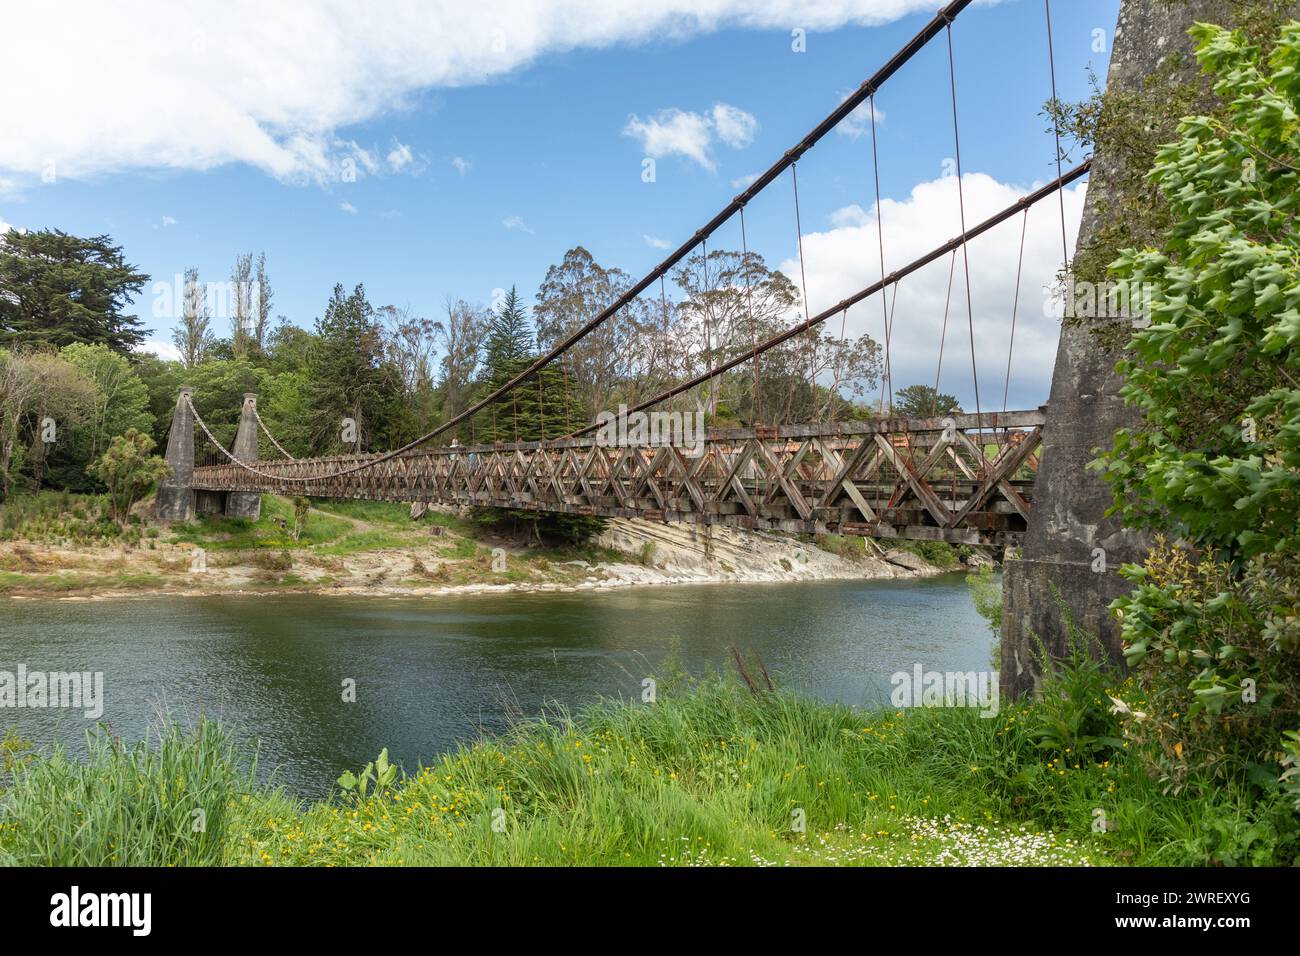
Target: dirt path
pixel 357 523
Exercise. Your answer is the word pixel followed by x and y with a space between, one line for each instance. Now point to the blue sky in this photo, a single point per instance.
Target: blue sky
pixel 480 173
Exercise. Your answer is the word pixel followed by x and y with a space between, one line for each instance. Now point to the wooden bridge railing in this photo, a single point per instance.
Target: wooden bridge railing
pixel 954 479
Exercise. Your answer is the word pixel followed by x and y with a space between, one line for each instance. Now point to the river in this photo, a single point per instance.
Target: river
pixel 432 672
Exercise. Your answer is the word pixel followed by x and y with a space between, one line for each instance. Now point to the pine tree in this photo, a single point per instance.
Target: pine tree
pixel 57 289
pixel 509 336
pixel 350 378
pixel 543 406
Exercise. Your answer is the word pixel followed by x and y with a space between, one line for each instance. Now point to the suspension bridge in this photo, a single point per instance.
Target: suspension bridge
pixel 961 477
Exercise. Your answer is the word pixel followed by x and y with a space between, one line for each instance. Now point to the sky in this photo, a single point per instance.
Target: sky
pixel 441 150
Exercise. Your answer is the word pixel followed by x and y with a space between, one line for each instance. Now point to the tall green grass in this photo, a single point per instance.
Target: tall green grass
pixel 56 516
pixel 166 801
pixel 709 774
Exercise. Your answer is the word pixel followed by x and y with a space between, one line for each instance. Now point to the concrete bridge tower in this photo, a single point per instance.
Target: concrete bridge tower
pixel 245 504
pixel 1071 547
pixel 177 500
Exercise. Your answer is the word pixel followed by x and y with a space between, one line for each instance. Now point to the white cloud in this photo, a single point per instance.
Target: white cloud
pixel 271 85
pixel 462 165
pixel 348 208
pixel 848 216
pixel 4 227
pixel 744 182
pixel 399 157
pixel 655 243
pixel 844 259
pixel 674 131
pixel 858 123
pixel 515 222
pixel 164 350
pixel 733 125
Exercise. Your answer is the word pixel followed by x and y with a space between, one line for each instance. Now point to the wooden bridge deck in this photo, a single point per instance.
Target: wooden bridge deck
pixel 954 479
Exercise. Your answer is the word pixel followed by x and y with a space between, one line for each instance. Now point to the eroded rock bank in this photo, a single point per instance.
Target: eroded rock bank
pixel 690 553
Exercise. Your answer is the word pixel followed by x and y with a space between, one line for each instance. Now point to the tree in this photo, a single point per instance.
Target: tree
pixel 128 470
pixel 730 302
pixel 572 294
pixel 461 339
pixel 34 386
pixel 219 389
pixel 241 304
pixel 194 338
pixel 922 401
pixel 410 341
pixel 262 305
pixel 301 506
pixel 287 347
pixel 349 376
pixel 508 336
pixel 162 379
pixel 544 406
pixel 1214 466
pixel 119 400
pixel 57 289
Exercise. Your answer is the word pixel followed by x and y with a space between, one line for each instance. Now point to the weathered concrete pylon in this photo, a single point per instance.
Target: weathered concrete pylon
pixel 175 499
pixel 1071 547
pixel 244 504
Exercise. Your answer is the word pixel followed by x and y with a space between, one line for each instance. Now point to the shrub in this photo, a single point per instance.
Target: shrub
pixel 272 561
pixel 1215 463
pixel 1073 718
pixel 128 470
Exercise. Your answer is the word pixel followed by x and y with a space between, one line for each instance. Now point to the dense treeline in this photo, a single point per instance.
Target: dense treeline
pixel 366 377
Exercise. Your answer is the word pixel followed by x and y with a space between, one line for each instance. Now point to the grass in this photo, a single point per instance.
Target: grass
pixel 166 802
pixel 61 516
pixel 846 546
pixel 371 512
pixel 272 529
pixel 708 775
pixel 358 541
pixel 461 549
pixel 589 552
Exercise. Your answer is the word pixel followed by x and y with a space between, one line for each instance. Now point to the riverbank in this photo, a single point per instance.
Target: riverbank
pixel 708 774
pixel 64 549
